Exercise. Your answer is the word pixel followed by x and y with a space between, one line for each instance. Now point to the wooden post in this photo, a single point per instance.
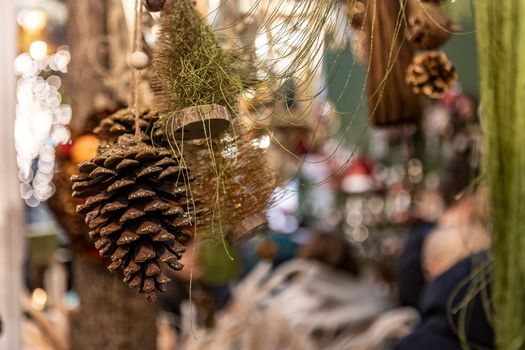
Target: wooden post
pixel 390 100
pixel 86 31
pixel 111 315
pixel 11 234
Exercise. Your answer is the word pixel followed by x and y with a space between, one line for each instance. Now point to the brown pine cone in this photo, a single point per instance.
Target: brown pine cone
pixel 123 122
pixel 137 209
pixel 431 74
pixel 429 27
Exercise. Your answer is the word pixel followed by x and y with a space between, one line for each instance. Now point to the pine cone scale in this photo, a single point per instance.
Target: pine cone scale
pixel 141 193
pixel 84 167
pixel 126 164
pixel 127 237
pixel 131 214
pixel 119 184
pixel 118 204
pixel 112 161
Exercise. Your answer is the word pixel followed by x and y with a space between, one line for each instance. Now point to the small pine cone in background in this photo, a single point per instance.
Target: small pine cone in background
pixel 137 210
pixel 431 74
pixel 123 122
pixel 429 27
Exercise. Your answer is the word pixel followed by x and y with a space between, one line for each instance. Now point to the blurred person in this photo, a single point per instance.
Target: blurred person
pixel 456 310
pixel 454 304
pixel 410 277
pixel 455 179
pixel 462 231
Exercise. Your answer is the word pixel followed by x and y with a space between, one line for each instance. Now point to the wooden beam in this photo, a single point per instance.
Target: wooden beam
pixel 87 31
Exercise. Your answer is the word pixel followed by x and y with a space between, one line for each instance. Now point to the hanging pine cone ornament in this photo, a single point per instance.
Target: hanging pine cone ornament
pixel 429 27
pixel 123 122
pixel 195 80
pixel 137 210
pixel 431 74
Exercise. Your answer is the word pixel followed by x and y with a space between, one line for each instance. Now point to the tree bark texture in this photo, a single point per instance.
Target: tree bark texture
pixel 390 100
pixel 110 315
pixel 87 28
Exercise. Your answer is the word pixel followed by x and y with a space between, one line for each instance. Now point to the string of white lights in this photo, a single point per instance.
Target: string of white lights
pixel 41 121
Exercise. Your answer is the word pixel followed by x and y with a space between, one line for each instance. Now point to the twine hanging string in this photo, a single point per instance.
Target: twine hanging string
pixel 136 74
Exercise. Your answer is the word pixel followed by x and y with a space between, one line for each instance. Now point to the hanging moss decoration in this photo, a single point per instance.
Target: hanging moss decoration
pixel 390 100
pixel 192 70
pixel 138 210
pixel 235 182
pixel 500 32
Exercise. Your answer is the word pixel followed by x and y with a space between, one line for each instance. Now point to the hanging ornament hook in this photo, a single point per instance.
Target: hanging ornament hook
pixel 138 60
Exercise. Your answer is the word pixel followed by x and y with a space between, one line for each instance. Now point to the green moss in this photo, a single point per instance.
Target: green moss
pixel 501 51
pixel 190 68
